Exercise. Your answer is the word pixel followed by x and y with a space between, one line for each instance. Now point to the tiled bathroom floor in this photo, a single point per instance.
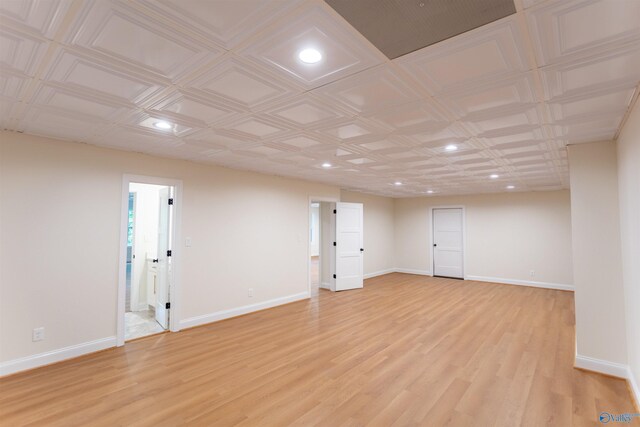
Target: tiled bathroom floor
pixel 140 324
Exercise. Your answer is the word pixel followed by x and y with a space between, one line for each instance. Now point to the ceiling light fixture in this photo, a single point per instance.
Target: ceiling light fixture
pixel 161 124
pixel 430 191
pixel 397 183
pixel 310 56
pixel 326 165
pixel 494 176
pixel 510 187
pixel 451 147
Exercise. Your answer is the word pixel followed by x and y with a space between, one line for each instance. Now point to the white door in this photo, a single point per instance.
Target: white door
pixel 447 242
pixel 349 249
pixel 164 260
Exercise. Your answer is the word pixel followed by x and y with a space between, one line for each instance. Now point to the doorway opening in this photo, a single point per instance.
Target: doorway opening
pixel 448 241
pixel 335 246
pixel 148 264
pixel 320 247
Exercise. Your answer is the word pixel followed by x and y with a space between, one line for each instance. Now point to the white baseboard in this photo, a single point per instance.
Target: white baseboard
pixel 325 285
pixel 53 356
pixel 411 271
pixel 379 273
pixel 603 366
pixel 633 384
pixel 233 312
pixel 545 285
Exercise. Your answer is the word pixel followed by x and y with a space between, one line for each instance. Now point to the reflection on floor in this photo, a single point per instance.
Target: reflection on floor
pixel 140 324
pixel 315 275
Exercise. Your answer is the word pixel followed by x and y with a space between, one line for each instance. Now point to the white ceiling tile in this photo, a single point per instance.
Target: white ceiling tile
pixel 489 53
pixel 227 24
pixel 304 111
pixel 193 107
pixel 372 90
pixel 62 124
pixel 71 100
pixel 241 84
pixel 90 74
pixel 108 28
pixel 312 27
pixel 40 16
pixel 410 116
pixel 591 104
pixel 20 51
pixel 616 68
pixel 506 93
pixel 563 29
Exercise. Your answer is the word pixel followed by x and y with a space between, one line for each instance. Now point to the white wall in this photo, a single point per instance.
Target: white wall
pixel 61 236
pixel 628 157
pixel 379 226
pixel 597 265
pixel 507 235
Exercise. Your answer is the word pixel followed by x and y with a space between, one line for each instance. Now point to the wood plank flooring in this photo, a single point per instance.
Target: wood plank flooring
pixel 406 350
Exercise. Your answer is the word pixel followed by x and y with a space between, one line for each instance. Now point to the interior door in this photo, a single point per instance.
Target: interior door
pixel 447 243
pixel 349 249
pixel 164 260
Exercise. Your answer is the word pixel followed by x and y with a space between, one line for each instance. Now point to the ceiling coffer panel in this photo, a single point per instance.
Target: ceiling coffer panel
pixel 398 27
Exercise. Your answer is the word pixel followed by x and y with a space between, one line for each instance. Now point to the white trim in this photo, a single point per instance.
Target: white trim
pixel 633 385
pixel 53 356
pixel 412 271
pixel 316 199
pixel 233 312
pixel 603 366
pixel 379 273
pixel 174 324
pixel 544 285
pixel 464 235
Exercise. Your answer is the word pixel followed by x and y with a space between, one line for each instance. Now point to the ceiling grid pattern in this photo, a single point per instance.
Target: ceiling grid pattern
pixel 510 95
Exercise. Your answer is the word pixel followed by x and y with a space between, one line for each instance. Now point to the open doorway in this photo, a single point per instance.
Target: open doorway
pixel 321 246
pixel 148 260
pixel 147 281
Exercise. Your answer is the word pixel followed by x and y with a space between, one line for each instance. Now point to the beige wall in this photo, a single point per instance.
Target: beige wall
pixel 378 231
pixel 61 236
pixel 629 194
pixel 597 267
pixel 507 235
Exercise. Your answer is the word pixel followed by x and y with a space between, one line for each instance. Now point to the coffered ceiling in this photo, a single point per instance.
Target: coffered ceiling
pixel 226 76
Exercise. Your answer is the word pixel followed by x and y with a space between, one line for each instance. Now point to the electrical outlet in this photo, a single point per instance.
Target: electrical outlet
pixel 532 273
pixel 250 293
pixel 38 334
pixel 187 242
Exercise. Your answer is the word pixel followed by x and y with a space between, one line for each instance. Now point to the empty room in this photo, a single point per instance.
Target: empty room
pixel 319 213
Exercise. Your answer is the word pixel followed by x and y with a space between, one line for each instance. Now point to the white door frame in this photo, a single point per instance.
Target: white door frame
pixel 464 237
pixel 174 286
pixel 314 199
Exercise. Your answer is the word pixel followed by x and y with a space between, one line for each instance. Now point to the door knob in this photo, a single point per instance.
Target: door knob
pixel 361 250
pixel 154 260
pixel 435 244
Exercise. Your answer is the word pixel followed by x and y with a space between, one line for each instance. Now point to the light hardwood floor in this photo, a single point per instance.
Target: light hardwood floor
pixel 405 350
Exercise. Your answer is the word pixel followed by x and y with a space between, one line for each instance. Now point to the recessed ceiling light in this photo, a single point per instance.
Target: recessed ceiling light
pixel 397 183
pixel 429 191
pixel 326 165
pixel 451 147
pixel 494 176
pixel 310 56
pixel 161 124
pixel 510 187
